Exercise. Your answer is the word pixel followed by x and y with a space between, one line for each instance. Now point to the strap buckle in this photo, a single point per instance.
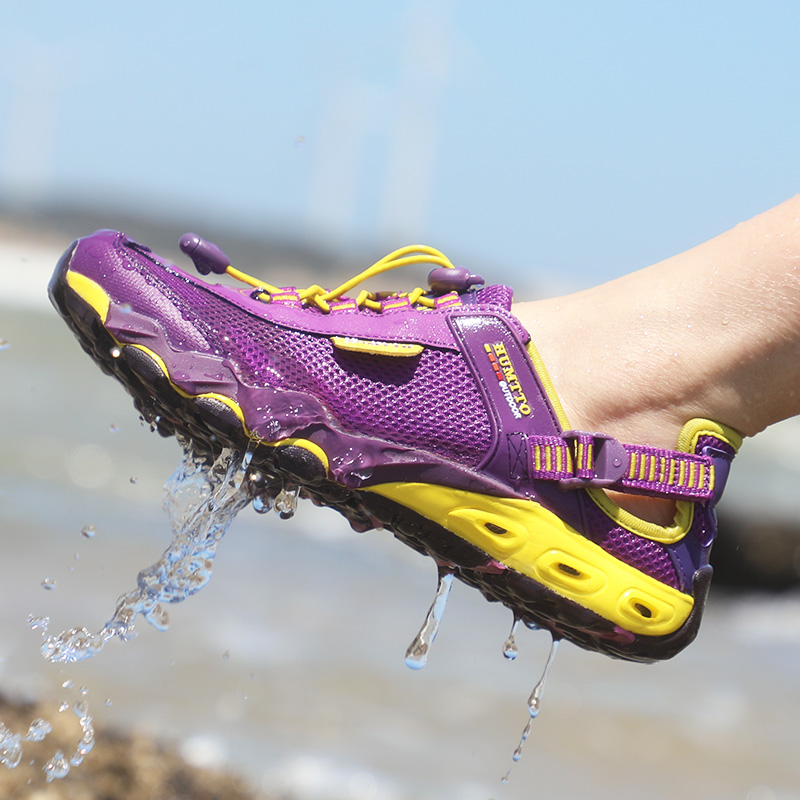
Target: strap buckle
pixel 599 460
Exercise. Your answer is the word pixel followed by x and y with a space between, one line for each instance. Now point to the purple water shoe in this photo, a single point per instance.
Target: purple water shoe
pixel 428 413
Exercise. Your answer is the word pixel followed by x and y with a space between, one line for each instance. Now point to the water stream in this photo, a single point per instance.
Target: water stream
pixel 534 705
pixel 417 653
pixel 418 650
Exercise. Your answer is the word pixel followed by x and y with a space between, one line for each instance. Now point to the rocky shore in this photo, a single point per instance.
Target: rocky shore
pixel 122 766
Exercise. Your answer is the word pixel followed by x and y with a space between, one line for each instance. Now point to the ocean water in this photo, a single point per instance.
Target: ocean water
pixel 288 667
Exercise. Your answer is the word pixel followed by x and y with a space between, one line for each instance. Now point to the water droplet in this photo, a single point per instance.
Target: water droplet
pixel 247 457
pixel 125 308
pixel 4 344
pixel 108 703
pixel 226 656
pixel 10 748
pixel 49 584
pixel 113 428
pixel 133 479
pixel 510 645
pixel 158 617
pixel 534 705
pixel 67 685
pixel 38 730
pixel 417 653
pixel 57 767
pixel 286 502
pixel 88 531
pixel 115 352
pixel 38 623
pixel 263 503
pixel 363 474
pixel 300 141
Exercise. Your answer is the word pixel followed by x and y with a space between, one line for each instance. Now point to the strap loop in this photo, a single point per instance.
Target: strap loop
pixel 583 460
pixel 599 460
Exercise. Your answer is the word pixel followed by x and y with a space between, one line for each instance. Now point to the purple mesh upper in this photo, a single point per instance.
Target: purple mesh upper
pixel 649 557
pixel 430 401
pixel 495 295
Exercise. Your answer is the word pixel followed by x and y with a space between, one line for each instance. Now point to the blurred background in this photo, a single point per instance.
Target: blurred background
pixel 548 145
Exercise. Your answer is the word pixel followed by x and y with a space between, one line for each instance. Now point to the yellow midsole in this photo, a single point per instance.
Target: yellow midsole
pixel 528 538
pixel 91 291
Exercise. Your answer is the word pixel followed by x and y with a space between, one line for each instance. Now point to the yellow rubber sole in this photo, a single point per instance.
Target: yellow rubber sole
pixel 528 538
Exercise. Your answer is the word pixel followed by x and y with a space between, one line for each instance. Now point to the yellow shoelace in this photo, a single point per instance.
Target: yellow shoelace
pixel 411 254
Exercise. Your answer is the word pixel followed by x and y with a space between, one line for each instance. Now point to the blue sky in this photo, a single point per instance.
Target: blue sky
pixel 566 143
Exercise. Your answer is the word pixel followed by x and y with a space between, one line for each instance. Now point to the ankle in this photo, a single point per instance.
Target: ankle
pixel 607 381
pixel 604 384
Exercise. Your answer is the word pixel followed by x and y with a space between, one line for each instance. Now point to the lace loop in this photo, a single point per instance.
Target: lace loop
pixel 321 298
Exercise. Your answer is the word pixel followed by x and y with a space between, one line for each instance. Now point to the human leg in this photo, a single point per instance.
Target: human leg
pixel 714 332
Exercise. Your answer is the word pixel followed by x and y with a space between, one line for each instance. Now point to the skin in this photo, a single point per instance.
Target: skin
pixel 713 332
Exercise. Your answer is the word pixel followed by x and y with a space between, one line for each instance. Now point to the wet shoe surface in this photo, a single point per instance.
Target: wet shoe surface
pixel 427 413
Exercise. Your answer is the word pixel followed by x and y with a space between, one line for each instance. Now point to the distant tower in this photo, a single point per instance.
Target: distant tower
pixel 416 120
pixel 404 120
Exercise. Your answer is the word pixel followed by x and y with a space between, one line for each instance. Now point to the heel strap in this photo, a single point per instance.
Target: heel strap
pixel 583 460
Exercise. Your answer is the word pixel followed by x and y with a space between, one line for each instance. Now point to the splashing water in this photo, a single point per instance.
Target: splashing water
pixel 11 743
pixel 534 706
pixel 201 502
pixel 58 766
pixel 417 653
pixel 81 711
